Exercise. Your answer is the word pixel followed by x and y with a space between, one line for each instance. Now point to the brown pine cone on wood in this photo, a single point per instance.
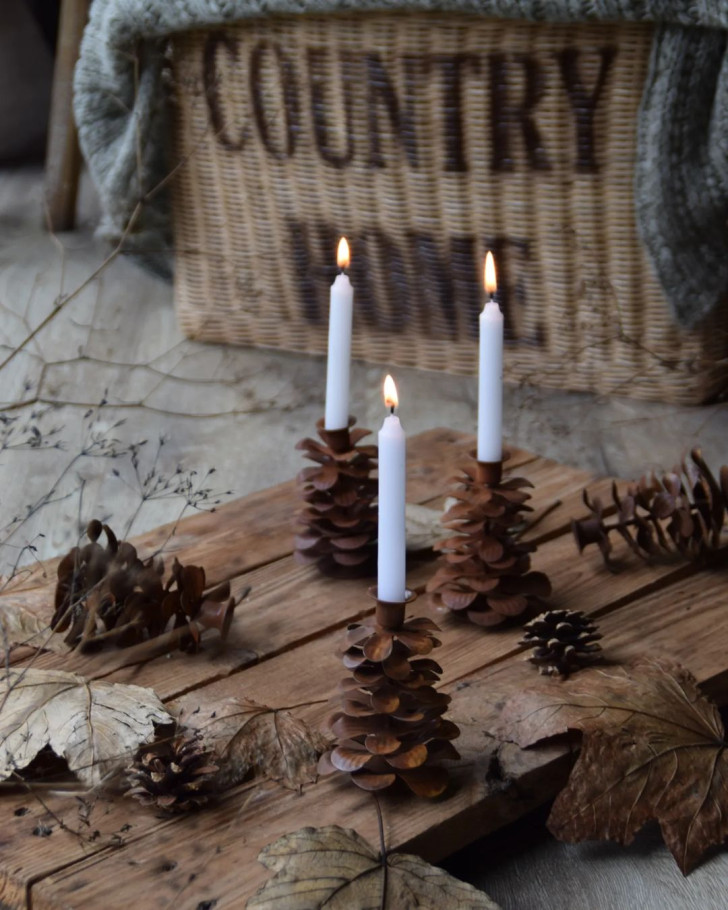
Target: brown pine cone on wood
pixel 337 526
pixel 484 572
pixel 679 515
pixel 562 641
pixel 108 595
pixel 175 775
pixel 391 726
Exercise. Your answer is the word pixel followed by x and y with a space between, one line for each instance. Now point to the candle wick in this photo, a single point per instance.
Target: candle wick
pixel 391 409
pixel 491 297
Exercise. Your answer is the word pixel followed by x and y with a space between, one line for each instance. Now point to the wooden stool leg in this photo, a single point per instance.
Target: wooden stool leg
pixel 63 156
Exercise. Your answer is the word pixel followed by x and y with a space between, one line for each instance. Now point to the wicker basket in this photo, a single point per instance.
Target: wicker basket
pixel 427 139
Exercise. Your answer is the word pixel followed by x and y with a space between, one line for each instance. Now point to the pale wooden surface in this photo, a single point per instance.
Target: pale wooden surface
pixel 242 411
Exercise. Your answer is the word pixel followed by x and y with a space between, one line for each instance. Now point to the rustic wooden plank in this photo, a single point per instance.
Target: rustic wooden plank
pixel 294 611
pixel 313 668
pixel 689 620
pixel 289 605
pixel 551 480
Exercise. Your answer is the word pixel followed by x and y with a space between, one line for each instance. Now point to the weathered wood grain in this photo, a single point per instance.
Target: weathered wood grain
pixel 282 652
pixel 689 625
pixel 313 669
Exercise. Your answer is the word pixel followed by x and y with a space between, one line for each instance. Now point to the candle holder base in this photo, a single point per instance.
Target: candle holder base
pixel 390 725
pixel 336 530
pixel 484 571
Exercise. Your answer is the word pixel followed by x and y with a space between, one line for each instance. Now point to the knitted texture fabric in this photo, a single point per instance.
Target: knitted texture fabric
pixel 681 172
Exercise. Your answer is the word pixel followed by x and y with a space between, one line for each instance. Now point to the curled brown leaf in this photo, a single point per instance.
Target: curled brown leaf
pixel 251 738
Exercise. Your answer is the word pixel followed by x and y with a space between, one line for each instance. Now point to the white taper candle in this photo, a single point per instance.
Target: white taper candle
pixel 490 373
pixel 391 565
pixel 341 306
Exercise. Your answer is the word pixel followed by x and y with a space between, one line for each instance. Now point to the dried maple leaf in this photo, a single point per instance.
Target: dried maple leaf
pixel 654 748
pixel 271 742
pixel 20 626
pixel 95 726
pixel 337 869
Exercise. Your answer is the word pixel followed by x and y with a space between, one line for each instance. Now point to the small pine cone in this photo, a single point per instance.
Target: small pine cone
pixel 177 775
pixel 562 641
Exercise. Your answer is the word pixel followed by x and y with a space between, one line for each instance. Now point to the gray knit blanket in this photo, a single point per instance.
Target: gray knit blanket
pixel 681 174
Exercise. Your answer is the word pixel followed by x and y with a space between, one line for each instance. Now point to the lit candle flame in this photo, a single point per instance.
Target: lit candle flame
pixel 491 285
pixel 390 393
pixel 342 254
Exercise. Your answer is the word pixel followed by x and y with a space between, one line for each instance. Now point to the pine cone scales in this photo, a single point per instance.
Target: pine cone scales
pixel 681 514
pixel 338 521
pixel 175 776
pixel 562 641
pixel 485 570
pixel 390 725
pixel 108 594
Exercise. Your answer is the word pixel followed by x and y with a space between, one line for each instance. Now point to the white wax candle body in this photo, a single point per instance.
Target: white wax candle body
pixel 490 384
pixel 337 369
pixel 391 584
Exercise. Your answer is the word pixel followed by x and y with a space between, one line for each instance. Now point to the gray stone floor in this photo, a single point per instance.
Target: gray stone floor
pixel 241 411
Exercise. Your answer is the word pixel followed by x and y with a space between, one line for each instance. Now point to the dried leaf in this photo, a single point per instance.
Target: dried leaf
pixel 272 743
pixel 95 726
pixel 654 748
pixel 19 626
pixel 337 869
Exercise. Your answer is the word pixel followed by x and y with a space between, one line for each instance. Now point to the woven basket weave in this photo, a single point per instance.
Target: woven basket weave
pixel 427 139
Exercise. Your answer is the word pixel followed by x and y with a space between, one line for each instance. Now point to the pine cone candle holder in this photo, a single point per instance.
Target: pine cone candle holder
pixel 176 775
pixel 484 573
pixel 390 726
pixel 682 515
pixel 562 641
pixel 337 526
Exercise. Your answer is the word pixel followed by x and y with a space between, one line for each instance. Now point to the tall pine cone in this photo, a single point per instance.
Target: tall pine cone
pixel 562 641
pixel 679 515
pixel 108 594
pixel 390 725
pixel 175 775
pixel 485 570
pixel 338 523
